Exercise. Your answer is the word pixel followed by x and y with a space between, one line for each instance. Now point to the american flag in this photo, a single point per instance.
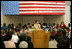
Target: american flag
pixel 33 7
pixel 42 7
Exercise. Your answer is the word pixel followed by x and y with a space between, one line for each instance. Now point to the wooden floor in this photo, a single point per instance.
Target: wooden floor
pixel 39 38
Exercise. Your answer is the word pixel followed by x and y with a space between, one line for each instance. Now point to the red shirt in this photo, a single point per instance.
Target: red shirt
pixel 53 34
pixel 63 26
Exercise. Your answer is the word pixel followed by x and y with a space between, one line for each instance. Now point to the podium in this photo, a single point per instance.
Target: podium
pixel 39 38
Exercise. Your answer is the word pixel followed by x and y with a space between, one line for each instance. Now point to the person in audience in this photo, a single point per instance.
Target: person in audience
pixel 62 25
pixel 54 25
pixel 23 44
pixel 30 44
pixel 2 44
pixel 17 29
pixel 53 35
pixel 4 27
pixel 15 39
pixel 20 26
pixel 37 26
pixel 49 25
pixel 57 26
pixel 41 25
pixel 12 26
pixel 8 43
pixel 9 26
pixel 44 25
pixel 63 42
pixel 59 33
pixel 25 26
pixel 32 26
pixel 52 43
pixel 25 37
pixel 3 34
pixel 28 26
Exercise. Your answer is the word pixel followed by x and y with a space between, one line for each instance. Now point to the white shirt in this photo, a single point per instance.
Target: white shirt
pixel 53 44
pixel 15 38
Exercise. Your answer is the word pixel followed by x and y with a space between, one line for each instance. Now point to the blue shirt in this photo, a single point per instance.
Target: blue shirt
pixel 4 28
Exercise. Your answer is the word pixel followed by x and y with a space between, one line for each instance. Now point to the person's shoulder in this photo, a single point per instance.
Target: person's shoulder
pixel 34 24
pixel 11 42
pixel 38 24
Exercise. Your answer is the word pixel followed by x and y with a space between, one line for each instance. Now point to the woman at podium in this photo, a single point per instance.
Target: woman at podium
pixel 37 26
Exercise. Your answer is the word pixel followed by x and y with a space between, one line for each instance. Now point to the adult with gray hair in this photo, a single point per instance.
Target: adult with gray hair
pixel 23 44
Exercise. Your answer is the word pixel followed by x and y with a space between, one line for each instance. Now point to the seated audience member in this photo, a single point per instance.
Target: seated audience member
pixel 23 44
pixel 12 26
pixel 28 26
pixel 32 26
pixel 30 44
pixel 37 26
pixel 8 43
pixel 62 25
pixel 54 25
pixel 20 26
pixel 17 29
pixel 52 43
pixel 63 42
pixel 25 26
pixel 53 35
pixel 2 44
pixel 57 26
pixel 24 37
pixel 41 25
pixel 3 34
pixel 9 26
pixel 58 34
pixel 69 25
pixel 49 25
pixel 44 25
pixel 4 27
pixel 15 39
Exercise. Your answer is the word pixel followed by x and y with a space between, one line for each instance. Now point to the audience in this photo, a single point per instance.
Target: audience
pixel 17 36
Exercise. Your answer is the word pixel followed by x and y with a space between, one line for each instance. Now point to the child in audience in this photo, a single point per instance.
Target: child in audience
pixel 4 27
